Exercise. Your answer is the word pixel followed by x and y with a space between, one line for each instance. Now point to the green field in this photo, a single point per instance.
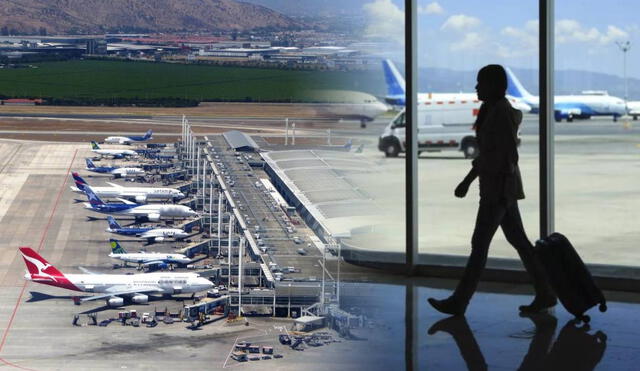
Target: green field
pixel 94 79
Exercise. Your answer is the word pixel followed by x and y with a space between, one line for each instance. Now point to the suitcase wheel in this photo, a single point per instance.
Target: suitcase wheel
pixel 602 307
pixel 586 319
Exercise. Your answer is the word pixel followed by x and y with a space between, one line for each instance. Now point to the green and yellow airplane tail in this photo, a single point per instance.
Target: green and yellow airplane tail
pixel 116 248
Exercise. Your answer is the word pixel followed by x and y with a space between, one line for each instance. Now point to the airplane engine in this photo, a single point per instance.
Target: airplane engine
pixel 115 302
pixel 140 299
pixel 159 239
pixel 153 217
pixel 141 199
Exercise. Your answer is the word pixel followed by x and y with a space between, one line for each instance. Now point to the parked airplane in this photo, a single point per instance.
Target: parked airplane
pixel 145 259
pixel 117 172
pixel 115 153
pixel 439 108
pixel 112 287
pixel 151 212
pixel 139 194
pixel 129 140
pixel 347 104
pixel 151 234
pixel 570 107
pixel 633 109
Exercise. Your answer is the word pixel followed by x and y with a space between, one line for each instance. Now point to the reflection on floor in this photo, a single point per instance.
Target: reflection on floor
pixel 494 336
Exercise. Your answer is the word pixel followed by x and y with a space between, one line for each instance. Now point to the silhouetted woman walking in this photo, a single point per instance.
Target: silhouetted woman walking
pixel 500 189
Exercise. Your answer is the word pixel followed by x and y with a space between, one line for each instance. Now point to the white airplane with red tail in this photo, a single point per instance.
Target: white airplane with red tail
pixel 113 287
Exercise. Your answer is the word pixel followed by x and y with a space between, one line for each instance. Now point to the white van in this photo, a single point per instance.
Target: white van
pixel 433 134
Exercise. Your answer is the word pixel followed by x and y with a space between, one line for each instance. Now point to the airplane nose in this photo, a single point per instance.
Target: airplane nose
pixel 206 283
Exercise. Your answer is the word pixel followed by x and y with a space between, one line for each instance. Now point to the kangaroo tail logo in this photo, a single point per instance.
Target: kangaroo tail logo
pixel 38 267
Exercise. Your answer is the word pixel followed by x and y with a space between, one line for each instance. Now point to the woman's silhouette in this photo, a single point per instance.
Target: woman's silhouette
pixel 500 189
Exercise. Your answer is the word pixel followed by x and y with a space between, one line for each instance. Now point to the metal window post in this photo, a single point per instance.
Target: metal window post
pixel 546 116
pixel 411 133
pixel 411 179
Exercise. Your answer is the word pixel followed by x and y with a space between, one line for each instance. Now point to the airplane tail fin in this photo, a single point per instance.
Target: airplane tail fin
pixel 94 145
pixel 94 200
pixel 148 134
pixel 90 164
pixel 115 247
pixel 80 183
pixel 515 87
pixel 37 265
pixel 393 78
pixel 113 224
pixel 348 145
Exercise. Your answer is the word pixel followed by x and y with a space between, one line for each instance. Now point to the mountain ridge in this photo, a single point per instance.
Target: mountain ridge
pixel 98 16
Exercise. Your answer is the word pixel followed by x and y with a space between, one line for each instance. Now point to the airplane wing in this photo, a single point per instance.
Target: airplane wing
pixel 123 290
pixel 115 185
pixel 85 270
pixel 126 202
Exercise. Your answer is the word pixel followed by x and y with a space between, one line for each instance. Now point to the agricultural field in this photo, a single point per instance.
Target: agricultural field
pixel 94 79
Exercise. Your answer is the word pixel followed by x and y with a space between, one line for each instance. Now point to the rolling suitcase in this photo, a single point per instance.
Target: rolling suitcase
pixel 568 276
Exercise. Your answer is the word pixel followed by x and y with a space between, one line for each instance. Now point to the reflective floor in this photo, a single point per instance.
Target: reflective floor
pixel 492 335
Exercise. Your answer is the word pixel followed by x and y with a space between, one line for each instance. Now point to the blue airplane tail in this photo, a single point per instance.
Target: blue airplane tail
pixel 148 134
pixel 393 78
pixel 80 183
pixel 349 144
pixel 94 200
pixel 78 179
pixel 90 164
pixel 115 247
pixel 515 87
pixel 113 224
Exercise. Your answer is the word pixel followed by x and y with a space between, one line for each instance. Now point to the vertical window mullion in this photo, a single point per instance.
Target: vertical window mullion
pixel 546 117
pixel 411 135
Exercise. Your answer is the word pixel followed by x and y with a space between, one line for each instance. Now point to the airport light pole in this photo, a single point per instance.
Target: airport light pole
pixel 197 175
pixel 204 177
pixel 324 266
pixel 624 47
pixel 211 206
pixel 293 133
pixel 286 131
pixel 240 250
pixel 220 221
pixel 229 246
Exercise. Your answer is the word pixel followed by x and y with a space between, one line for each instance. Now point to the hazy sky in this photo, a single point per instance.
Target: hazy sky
pixel 466 34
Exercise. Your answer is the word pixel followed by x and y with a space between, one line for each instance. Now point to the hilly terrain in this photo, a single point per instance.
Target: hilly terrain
pixel 100 16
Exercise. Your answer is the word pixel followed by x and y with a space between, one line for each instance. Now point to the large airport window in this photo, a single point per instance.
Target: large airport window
pixel 456 40
pixel 597 135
